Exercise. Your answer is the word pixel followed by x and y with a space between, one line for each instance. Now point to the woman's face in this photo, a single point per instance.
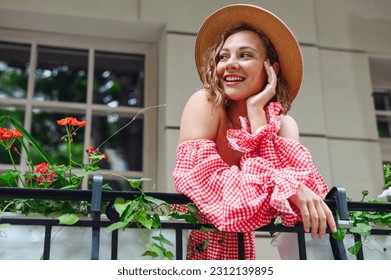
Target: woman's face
pixel 240 66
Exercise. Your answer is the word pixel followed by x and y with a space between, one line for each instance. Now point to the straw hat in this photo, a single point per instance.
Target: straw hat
pixel 282 38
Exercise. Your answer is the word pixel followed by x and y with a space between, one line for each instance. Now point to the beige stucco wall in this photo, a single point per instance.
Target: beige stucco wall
pixel 334 108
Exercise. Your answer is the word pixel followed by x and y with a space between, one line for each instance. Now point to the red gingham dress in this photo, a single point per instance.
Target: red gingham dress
pixel 241 199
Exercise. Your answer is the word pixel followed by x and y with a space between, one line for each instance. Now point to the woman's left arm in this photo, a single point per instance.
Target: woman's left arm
pixel 314 211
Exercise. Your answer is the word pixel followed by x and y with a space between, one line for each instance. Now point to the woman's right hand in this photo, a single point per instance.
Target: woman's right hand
pixel 257 102
pixel 260 99
pixel 314 212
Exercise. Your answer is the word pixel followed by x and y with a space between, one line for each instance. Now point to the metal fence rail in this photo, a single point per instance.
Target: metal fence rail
pixel 336 200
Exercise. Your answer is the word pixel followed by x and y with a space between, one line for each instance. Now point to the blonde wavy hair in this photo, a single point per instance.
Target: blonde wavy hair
pixel 212 83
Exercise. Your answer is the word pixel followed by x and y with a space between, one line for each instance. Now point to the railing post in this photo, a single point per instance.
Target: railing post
pixel 339 195
pixel 96 202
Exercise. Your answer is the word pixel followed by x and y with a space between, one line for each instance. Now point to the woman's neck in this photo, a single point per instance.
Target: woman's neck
pixel 236 110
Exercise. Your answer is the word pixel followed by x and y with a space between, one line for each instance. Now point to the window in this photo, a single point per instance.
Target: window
pixel 103 84
pixel 382 103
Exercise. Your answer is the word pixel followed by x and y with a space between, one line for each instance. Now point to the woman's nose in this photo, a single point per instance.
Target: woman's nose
pixel 232 63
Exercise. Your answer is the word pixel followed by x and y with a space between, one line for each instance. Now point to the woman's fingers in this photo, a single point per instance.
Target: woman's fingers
pixel 315 213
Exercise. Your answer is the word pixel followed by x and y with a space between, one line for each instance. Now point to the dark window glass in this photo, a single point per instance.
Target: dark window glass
pixel 124 149
pixel 61 74
pixel 119 79
pixel 14 64
pixel 48 133
pixel 382 101
pixel 383 126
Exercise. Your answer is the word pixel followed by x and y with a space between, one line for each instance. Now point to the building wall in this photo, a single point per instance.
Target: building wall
pixel 334 108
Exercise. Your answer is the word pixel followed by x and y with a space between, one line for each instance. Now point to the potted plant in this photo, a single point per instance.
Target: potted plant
pixel 145 211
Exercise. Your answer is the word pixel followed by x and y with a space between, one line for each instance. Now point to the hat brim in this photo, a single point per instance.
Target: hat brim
pixel 282 38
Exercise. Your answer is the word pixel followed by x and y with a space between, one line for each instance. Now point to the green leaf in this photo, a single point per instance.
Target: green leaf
pixel 147 223
pixel 169 255
pixel 355 248
pixel 340 234
pixel 206 229
pixel 159 250
pixel 115 226
pixel 10 174
pixel 69 187
pixel 136 183
pixel 120 205
pixel 5 225
pixel 150 253
pixel 192 207
pixel 156 223
pixel 29 138
pixel 81 174
pixel 156 201
pixel 68 219
pixel 362 229
pixel 162 239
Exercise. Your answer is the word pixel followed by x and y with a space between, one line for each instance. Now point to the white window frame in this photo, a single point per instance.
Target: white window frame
pixel 93 44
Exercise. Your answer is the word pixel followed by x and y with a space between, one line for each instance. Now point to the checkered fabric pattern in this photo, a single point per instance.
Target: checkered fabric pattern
pixel 241 199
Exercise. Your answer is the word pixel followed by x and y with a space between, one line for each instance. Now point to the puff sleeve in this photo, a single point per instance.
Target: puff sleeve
pixel 241 199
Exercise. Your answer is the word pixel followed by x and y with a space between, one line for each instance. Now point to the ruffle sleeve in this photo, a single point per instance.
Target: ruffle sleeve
pixel 241 199
pixel 291 158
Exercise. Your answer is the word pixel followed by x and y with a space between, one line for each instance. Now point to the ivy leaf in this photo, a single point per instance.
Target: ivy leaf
pixel 149 253
pixel 115 226
pixel 192 207
pixel 136 183
pixel 162 239
pixel 156 201
pixel 156 223
pixel 355 248
pixel 147 223
pixel 9 175
pixel 362 229
pixel 206 229
pixel 120 205
pixel 169 255
pixel 69 187
pixel 68 219
pixel 340 234
pixel 158 250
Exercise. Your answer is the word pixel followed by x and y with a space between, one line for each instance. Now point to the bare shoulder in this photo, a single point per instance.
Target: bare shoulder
pixel 199 119
pixel 289 127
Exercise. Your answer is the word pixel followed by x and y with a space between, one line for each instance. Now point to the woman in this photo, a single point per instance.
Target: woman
pixel 239 158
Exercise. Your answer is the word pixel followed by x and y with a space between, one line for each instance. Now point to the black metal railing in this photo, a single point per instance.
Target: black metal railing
pixel 336 200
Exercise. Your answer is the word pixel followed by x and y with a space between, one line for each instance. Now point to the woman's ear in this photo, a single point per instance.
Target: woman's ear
pixel 276 67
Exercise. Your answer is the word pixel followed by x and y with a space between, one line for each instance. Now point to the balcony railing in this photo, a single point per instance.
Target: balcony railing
pixel 336 200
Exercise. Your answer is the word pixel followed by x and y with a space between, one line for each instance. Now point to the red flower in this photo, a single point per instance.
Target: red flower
pixel 71 121
pixel 92 152
pixel 44 175
pixel 42 168
pixel 6 134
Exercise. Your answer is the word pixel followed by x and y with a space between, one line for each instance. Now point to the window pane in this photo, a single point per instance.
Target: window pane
pixel 125 148
pixel 14 63
pixel 383 126
pixel 382 100
pixel 48 134
pixel 119 79
pixel 19 116
pixel 61 74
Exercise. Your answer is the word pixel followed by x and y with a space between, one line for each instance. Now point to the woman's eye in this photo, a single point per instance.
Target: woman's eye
pixel 223 56
pixel 245 55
